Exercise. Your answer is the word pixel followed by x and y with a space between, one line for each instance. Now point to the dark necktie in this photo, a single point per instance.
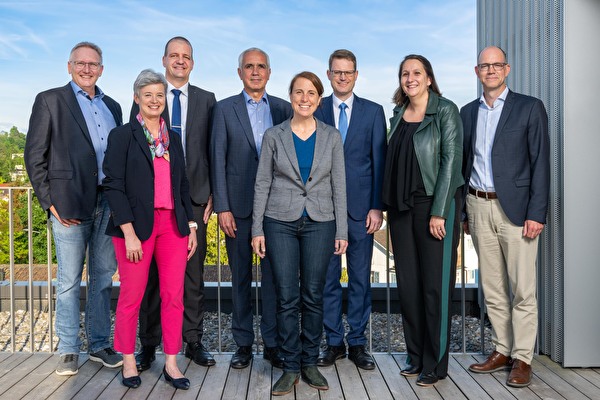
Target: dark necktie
pixel 176 112
pixel 343 122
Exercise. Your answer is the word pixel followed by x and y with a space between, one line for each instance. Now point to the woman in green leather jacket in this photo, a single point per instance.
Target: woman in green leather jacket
pixel 421 191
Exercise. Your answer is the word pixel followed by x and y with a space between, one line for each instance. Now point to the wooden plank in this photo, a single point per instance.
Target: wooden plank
pixel 575 380
pixel 196 374
pixel 50 384
pixel 72 386
pixel 335 386
pixel 236 386
pixel 304 391
pixel 463 380
pixel 7 365
pixel 216 376
pixel 375 384
pixel 588 374
pixel 18 367
pixel 446 387
pixel 398 385
pixel 95 386
pixel 352 385
pixel 260 379
pixel 488 382
pixel 42 365
pixel 558 384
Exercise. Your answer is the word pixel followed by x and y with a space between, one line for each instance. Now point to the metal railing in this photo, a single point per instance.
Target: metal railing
pixel 48 295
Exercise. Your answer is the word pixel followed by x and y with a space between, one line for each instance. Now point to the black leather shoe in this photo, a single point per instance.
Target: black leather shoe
pixel 198 353
pixel 330 355
pixel 272 354
pixel 427 379
pixel 361 357
pixel 179 383
pixel 242 357
pixel 143 359
pixel 411 370
pixel 131 382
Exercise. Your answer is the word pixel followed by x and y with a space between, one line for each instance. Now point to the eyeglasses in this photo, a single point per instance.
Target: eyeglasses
pixel 337 72
pixel 79 65
pixel 497 66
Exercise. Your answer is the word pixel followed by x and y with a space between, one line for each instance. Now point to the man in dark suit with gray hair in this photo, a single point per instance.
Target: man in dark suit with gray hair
pixel 507 174
pixel 64 151
pixel 239 123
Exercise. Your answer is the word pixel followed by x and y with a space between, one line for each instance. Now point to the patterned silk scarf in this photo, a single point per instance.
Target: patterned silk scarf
pixel 159 147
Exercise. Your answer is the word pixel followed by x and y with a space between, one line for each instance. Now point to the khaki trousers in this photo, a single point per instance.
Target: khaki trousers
pixel 507 264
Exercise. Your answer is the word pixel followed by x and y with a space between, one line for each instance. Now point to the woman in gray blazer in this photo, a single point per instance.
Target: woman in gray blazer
pixel 300 189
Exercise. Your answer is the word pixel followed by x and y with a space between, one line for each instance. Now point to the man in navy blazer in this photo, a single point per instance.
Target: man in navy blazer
pixel 195 106
pixel 507 173
pixel 64 151
pixel 364 156
pixel 239 123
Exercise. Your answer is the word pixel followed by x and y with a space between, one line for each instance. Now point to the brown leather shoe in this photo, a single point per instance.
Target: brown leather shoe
pixel 495 362
pixel 520 374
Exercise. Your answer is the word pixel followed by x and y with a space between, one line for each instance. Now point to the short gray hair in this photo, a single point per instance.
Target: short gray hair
pixel 148 77
pixel 251 49
pixel 89 45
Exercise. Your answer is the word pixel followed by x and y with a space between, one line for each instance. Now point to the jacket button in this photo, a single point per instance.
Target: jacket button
pixel 310 179
pixel 304 194
pixel 95 174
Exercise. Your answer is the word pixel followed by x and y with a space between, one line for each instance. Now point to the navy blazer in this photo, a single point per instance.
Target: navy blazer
pixel 233 154
pixel 364 152
pixel 129 182
pixel 59 154
pixel 197 133
pixel 520 156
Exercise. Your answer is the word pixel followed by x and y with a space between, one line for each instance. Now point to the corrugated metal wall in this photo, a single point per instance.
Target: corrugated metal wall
pixel 531 33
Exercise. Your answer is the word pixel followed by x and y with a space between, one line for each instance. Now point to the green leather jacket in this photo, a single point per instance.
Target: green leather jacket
pixel 438 146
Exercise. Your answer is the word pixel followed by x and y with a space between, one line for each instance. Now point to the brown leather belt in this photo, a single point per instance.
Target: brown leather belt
pixel 483 195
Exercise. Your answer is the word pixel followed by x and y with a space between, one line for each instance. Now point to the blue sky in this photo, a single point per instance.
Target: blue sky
pixel 37 36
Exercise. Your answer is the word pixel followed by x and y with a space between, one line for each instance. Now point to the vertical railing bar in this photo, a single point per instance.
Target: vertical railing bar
pixel 387 288
pixel 30 283
pixel 463 297
pixel 50 288
pixel 256 330
pixel 11 245
pixel 219 336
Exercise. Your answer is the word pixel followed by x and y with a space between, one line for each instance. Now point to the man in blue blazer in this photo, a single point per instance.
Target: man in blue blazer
pixel 507 173
pixel 239 123
pixel 64 151
pixel 195 108
pixel 363 128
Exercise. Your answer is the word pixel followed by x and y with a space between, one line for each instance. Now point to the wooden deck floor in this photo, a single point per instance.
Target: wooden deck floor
pixel 31 376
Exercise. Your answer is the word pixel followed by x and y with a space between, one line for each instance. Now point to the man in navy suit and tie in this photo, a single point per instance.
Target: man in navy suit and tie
pixel 239 123
pixel 362 125
pixel 64 152
pixel 188 113
pixel 507 173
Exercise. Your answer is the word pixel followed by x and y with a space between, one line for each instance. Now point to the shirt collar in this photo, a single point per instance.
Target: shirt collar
pixel 349 101
pixel 502 97
pixel 184 89
pixel 249 99
pixel 77 90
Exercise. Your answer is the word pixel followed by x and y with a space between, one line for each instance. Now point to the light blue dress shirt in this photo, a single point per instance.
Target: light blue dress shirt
pixel 482 176
pixel 259 113
pixel 99 121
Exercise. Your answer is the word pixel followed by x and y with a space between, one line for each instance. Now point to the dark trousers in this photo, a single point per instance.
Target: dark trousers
pixel 426 274
pixel 239 251
pixel 358 259
pixel 299 252
pixel 150 331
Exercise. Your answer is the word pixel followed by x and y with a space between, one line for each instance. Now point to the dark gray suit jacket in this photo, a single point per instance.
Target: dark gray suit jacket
pixel 281 194
pixel 234 158
pixel 59 154
pixel 520 156
pixel 197 134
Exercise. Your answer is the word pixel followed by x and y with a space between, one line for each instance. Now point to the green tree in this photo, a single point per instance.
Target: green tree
pixel 211 240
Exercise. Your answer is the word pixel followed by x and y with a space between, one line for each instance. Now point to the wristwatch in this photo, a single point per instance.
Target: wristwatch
pixel 193 225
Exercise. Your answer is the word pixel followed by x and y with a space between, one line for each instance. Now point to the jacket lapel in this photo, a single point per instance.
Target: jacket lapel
pixel 240 109
pixel 320 145
pixel 73 104
pixel 506 109
pixel 353 130
pixel 287 139
pixel 140 138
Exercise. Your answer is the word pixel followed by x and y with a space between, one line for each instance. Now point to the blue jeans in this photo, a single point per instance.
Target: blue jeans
pixel 71 244
pixel 299 253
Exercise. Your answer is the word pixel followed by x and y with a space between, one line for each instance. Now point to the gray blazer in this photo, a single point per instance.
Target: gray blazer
pixel 279 192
